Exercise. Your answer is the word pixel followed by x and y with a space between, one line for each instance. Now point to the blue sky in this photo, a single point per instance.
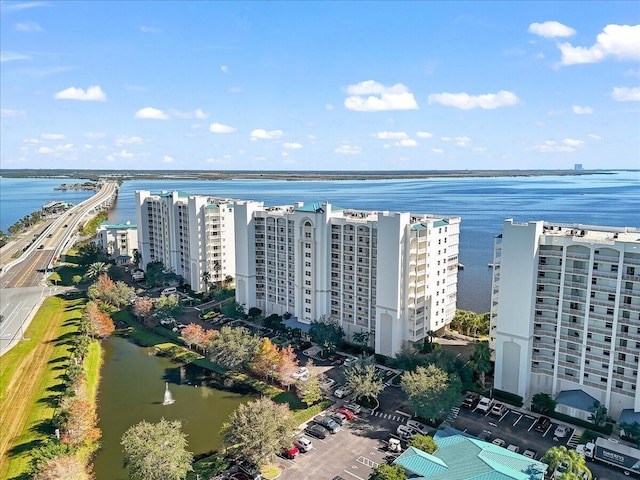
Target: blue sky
pixel 320 85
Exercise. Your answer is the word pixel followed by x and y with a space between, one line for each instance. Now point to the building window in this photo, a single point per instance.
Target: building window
pixel 622 357
pixel 618 384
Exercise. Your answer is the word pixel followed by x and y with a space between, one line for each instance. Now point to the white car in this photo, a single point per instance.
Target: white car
pixel 485 404
pixel 418 427
pixel 405 433
pixel 342 392
pixel 303 444
pixel 302 374
pixel 499 442
pixel 561 431
pixel 513 448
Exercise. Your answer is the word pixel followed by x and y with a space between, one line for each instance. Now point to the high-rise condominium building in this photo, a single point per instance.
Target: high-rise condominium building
pixel 387 274
pixel 189 234
pixel 565 314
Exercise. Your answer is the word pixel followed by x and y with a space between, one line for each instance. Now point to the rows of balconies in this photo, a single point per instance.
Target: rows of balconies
pixel 604 274
pixel 631 278
pixel 577 256
pixel 550 253
pixel 549 268
pixel 548 281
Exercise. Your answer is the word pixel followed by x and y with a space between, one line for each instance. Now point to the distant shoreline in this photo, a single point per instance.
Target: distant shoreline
pixel 286 175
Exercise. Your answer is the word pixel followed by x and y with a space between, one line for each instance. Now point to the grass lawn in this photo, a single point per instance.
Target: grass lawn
pixel 32 379
pixel 92 364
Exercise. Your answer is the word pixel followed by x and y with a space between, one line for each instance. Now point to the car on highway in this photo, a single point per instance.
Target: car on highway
pixel 317 431
pixel 543 424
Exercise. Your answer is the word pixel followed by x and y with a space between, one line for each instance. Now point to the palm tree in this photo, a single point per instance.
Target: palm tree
pixel 206 278
pixel 96 269
pixel 599 415
pixel 228 280
pixel 136 257
pixel 217 267
pixel 480 360
pixel 574 462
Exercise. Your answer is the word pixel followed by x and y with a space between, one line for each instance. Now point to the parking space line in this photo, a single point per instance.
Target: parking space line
pixel 519 418
pixel 365 461
pixel 353 474
pixel 506 413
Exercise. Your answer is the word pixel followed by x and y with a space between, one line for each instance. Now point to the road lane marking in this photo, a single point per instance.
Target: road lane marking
pixel 353 474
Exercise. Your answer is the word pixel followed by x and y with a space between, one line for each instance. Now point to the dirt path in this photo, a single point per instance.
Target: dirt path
pixel 21 389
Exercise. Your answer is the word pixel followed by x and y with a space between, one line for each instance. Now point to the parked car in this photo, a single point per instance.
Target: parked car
pixel 339 418
pixel 405 433
pixel 291 452
pixel 250 470
pixel 302 374
pixel 499 442
pixel 561 431
pixel 303 444
pixel 354 407
pixel 543 424
pixel 317 431
pixel 513 448
pixel 499 409
pixel 345 411
pixel 342 391
pixel 530 454
pixel 421 428
pixel 484 405
pixel 471 401
pixel 328 423
pixel 485 435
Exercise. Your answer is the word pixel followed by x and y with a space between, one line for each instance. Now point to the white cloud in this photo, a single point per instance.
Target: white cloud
pixel 220 128
pixel 28 27
pixel 125 154
pixel 407 142
pixel 292 146
pixel 260 134
pixel 619 42
pixel 167 159
pixel 578 110
pixel 631 73
pixel 311 137
pixel 551 29
pixel 148 29
pixel 381 98
pixel 197 113
pixel 224 68
pixel 92 94
pixel 127 140
pixel 329 107
pixel 16 7
pixel 151 113
pixel 437 151
pixel 12 56
pixel 6 112
pixel 551 146
pixel 33 141
pixel 53 136
pixel 479 149
pixel 95 134
pixel 465 101
pixel 391 135
pixel 626 94
pixel 595 137
pixel 349 150
pixel 424 134
pixel 45 150
pixel 445 139
pixel 462 141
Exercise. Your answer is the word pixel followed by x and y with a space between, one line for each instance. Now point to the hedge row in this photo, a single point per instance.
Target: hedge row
pixel 510 398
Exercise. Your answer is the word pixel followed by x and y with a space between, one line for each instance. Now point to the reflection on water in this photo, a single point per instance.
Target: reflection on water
pixel 132 389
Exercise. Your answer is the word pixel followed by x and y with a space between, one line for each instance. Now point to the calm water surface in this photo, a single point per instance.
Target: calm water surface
pixel 132 389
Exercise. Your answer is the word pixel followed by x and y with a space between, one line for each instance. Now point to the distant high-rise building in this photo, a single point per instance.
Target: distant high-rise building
pixel 565 315
pixel 577 167
pixel 189 234
pixel 390 275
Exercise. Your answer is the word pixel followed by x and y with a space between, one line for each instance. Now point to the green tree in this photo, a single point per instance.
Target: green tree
pixel 136 257
pixel 65 467
pixel 599 416
pixel 431 390
pixel 424 443
pixel 543 403
pixel 328 334
pixel 157 451
pixel 364 380
pixel 388 472
pixel 480 360
pixel 169 306
pixel 217 268
pixel 408 358
pixel 91 253
pixel 233 310
pixel 265 362
pixel 234 348
pixel 119 294
pixel 206 279
pixel 76 279
pixel 309 391
pixel 362 339
pixel 254 313
pixel 632 430
pixel 96 269
pixel 257 430
pixel 48 450
pixel 568 460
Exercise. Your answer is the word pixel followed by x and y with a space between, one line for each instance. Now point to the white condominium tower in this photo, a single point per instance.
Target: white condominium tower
pixel 565 314
pixel 189 234
pixel 391 275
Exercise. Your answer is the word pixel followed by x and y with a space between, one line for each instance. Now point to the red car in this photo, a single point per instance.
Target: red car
pixel 290 453
pixel 345 411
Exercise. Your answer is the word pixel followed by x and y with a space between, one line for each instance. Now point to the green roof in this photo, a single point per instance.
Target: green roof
pixel 179 192
pixel 316 207
pixel 417 227
pixel 463 457
pixel 440 223
pixel 118 225
pixel 212 206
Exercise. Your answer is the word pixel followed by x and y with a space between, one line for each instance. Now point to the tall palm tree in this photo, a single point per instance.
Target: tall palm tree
pixel 206 278
pixel 480 360
pixel 96 269
pixel 217 268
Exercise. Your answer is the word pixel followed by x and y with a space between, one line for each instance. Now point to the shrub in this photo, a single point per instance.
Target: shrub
pixel 510 398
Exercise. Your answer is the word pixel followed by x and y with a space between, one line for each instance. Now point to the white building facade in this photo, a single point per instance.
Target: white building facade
pixel 189 234
pixel 391 275
pixel 565 314
pixel 119 241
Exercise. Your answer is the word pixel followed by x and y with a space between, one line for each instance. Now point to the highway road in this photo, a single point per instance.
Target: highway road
pixel 23 284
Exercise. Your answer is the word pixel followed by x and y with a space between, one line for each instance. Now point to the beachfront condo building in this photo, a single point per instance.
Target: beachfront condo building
pixel 391 276
pixel 565 315
pixel 118 240
pixel 189 234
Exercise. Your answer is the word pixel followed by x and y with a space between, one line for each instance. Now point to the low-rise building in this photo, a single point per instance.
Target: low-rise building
pixel 118 240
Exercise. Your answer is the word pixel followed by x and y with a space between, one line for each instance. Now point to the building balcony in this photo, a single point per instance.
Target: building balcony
pixel 631 278
pixel 582 285
pixel 577 271
pixel 600 257
pixel 548 281
pixel 630 307
pixel 549 268
pixel 577 256
pixel 602 302
pixel 550 253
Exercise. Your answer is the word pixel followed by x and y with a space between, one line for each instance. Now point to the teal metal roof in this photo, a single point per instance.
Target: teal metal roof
pixel 179 192
pixel 418 227
pixel 212 206
pixel 462 457
pixel 118 225
pixel 316 207
pixel 440 223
